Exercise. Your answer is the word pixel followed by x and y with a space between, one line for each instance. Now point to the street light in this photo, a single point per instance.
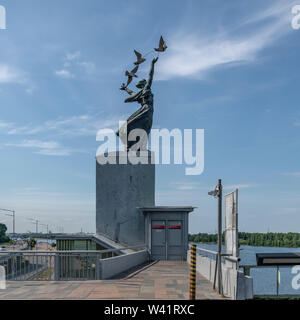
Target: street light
pixel 13 216
pixel 217 193
pixel 36 222
pixel 47 226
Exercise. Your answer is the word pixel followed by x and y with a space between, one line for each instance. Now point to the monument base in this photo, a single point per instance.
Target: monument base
pixel 120 190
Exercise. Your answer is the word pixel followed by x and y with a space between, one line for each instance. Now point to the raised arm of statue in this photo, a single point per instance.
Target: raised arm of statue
pixel 151 73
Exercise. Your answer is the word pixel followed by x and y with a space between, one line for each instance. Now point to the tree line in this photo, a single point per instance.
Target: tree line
pixel 270 239
pixel 3 237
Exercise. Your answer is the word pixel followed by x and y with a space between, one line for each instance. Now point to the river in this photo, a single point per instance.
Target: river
pixel 264 279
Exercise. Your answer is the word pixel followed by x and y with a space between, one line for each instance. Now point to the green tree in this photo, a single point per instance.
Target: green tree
pixel 3 237
pixel 31 243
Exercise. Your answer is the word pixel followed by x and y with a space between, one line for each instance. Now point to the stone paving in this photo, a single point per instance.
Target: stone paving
pixel 162 280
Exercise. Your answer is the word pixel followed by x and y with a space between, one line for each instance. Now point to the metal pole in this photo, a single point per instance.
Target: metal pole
pixel 215 276
pixel 11 215
pixel 14 223
pixel 193 272
pixel 277 281
pixel 220 288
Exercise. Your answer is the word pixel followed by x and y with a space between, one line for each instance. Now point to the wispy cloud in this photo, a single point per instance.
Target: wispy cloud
pixel 47 148
pixel 185 185
pixel 240 186
pixel 297 123
pixel 74 66
pixel 5 125
pixel 89 67
pixel 12 75
pixel 63 73
pixel 292 174
pixel 73 56
pixel 194 55
pixel 188 185
pixel 81 125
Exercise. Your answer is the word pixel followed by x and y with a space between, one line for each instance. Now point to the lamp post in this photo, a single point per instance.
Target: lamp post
pixel 218 193
pixel 36 222
pixel 13 216
pixel 47 226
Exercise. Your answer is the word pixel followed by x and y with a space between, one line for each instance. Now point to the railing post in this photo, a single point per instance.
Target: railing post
pixel 56 267
pixel 193 272
pixel 98 276
pixel 13 267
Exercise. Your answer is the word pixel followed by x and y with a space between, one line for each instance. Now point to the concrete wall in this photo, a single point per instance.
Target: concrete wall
pixel 113 266
pixel 120 189
pixel 236 285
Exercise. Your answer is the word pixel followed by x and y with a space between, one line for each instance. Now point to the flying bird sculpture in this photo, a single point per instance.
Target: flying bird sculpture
pixel 162 45
pixel 131 74
pixel 139 57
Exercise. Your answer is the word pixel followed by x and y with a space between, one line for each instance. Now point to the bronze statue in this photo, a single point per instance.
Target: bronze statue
pixel 142 118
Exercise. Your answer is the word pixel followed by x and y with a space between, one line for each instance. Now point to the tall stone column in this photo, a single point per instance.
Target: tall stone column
pixel 120 190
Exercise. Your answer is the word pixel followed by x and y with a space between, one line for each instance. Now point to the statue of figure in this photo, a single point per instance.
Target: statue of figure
pixel 142 118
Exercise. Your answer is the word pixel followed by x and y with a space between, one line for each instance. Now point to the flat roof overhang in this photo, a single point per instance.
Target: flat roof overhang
pixel 278 259
pixel 166 209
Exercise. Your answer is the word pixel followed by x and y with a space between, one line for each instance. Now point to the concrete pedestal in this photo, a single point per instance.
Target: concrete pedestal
pixel 120 190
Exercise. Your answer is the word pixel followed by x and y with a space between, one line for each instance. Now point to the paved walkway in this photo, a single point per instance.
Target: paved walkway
pixel 162 280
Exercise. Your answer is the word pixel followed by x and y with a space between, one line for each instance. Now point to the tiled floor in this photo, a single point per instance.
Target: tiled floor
pixel 162 280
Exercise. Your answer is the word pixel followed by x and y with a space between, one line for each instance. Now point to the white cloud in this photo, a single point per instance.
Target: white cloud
pixel 48 148
pixel 73 56
pixel 194 55
pixel 88 66
pixel 36 144
pixel 184 186
pixel 64 74
pixel 74 65
pixel 81 125
pixel 181 185
pixel 5 125
pixel 10 75
pixel 239 186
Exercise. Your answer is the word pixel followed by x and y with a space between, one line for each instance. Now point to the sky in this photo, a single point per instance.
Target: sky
pixel 231 68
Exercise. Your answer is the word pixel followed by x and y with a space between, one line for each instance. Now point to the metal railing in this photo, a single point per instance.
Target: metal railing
pixel 57 265
pixel 214 254
pixel 277 279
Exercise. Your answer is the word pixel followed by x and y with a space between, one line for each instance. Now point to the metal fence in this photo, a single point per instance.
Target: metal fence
pixel 273 284
pixel 57 265
pixel 213 255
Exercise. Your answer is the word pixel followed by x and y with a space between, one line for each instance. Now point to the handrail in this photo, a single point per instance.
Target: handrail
pixel 225 255
pixel 208 251
pixel 74 251
pixel 233 259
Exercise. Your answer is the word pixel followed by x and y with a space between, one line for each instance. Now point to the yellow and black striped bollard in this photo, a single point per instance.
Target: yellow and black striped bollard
pixel 193 272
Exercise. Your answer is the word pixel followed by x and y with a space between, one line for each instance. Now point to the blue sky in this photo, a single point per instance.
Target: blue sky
pixel 232 68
